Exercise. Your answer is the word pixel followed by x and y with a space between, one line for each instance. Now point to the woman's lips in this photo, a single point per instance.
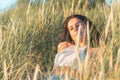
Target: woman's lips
pixel 75 33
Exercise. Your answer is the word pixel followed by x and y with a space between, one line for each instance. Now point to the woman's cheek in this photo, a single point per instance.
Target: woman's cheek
pixel 72 35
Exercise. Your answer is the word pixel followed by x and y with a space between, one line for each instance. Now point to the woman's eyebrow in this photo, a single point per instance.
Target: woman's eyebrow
pixel 70 26
pixel 74 24
pixel 78 22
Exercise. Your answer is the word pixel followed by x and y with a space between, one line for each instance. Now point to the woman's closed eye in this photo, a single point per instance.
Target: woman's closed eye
pixel 71 28
pixel 77 26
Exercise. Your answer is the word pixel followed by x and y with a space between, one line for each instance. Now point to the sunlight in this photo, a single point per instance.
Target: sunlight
pixel 7 4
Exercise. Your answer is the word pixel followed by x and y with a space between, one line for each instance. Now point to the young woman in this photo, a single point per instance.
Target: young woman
pixel 74 34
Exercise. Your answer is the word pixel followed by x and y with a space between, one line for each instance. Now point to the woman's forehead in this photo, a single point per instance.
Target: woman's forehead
pixel 73 21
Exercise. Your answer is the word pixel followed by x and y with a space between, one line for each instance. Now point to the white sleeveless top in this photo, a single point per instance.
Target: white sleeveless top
pixel 67 57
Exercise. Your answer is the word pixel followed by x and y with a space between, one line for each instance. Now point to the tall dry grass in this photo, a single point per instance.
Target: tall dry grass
pixel 31 32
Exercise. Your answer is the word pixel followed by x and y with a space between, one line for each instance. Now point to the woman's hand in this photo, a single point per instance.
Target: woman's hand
pixel 63 45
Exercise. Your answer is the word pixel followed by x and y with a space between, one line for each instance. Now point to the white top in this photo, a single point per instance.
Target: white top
pixel 67 57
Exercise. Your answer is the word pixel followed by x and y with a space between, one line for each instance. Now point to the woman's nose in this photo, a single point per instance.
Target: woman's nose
pixel 75 30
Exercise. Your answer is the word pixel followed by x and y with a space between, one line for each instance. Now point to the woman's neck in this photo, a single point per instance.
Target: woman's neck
pixel 82 44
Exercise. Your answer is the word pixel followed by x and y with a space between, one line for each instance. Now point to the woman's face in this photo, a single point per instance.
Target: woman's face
pixel 73 25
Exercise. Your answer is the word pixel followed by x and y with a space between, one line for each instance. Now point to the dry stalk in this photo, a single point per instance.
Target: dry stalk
pixel 86 3
pixel 0 35
pixel 27 14
pixel 43 6
pixel 112 26
pixel 101 73
pixel 117 63
pixel 108 23
pixel 13 27
pixel 5 71
pixel 64 9
pixel 111 64
pixel 72 7
pixel 37 69
pixel 88 34
pixel 78 4
pixel 80 63
pixel 66 76
pixel 28 9
pixel 28 77
pixel 111 61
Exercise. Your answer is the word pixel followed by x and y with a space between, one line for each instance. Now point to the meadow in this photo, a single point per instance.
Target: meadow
pixel 29 36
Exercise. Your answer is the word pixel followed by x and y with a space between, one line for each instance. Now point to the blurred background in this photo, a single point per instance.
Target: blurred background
pixel 30 31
